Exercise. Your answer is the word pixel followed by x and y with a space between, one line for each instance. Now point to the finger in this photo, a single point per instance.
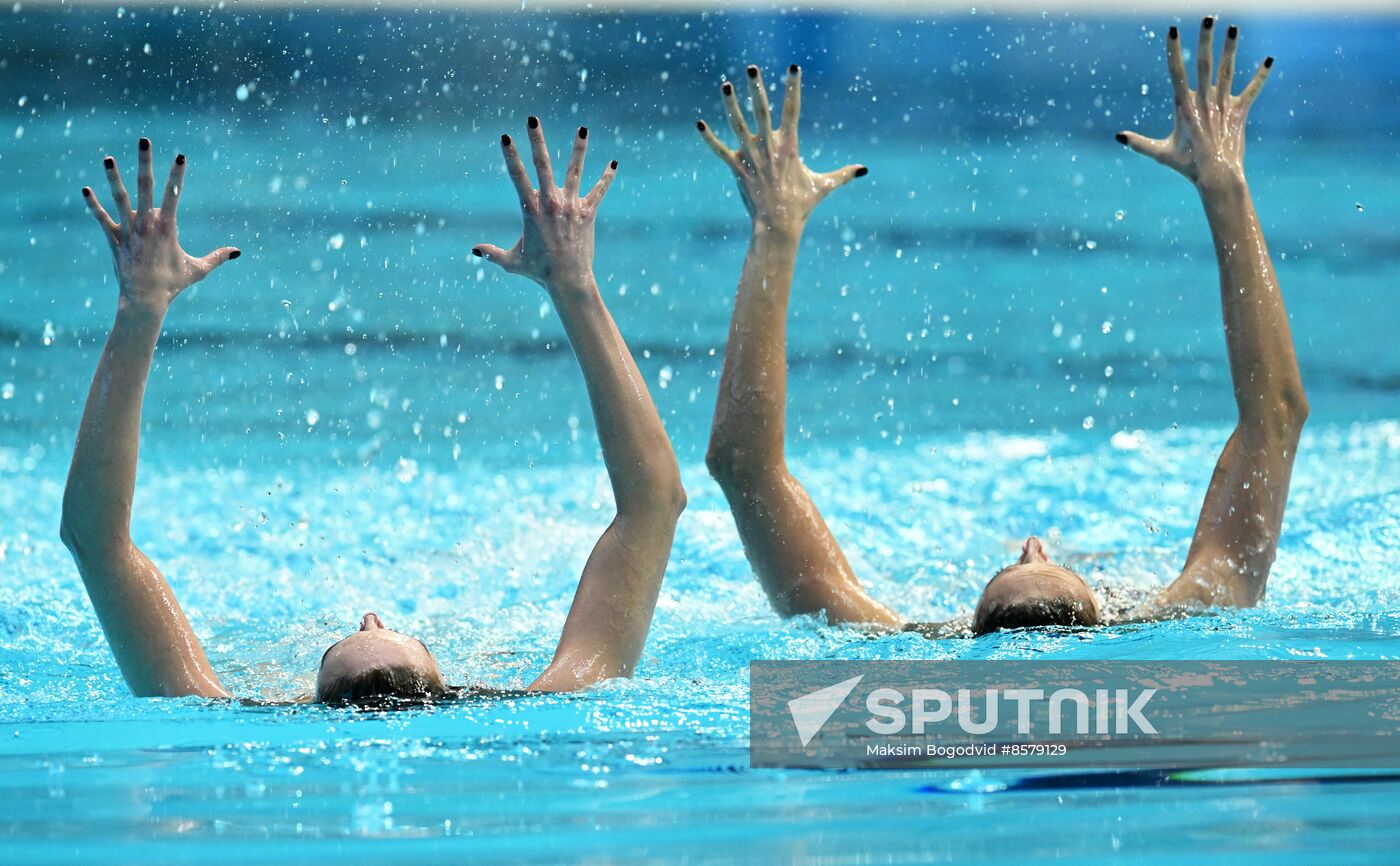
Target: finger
pixel 208 263
pixel 504 258
pixel 1205 55
pixel 736 116
pixel 840 177
pixel 762 112
pixel 516 169
pixel 119 196
pixel 1177 67
pixel 600 189
pixel 109 226
pixel 792 102
pixel 1226 73
pixel 145 179
pixel 539 152
pixel 1256 84
pixel 1153 147
pixel 574 173
pixel 170 199
pixel 719 147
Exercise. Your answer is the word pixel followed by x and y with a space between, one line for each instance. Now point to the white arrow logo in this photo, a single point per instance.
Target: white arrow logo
pixel 811 711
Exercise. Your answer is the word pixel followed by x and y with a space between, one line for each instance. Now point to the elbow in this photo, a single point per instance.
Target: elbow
pixel 1281 419
pixel 658 498
pixel 1290 415
pixel 84 540
pixel 671 496
pixel 70 531
pixel 1296 409
pixel 679 500
pixel 736 467
pixel 68 536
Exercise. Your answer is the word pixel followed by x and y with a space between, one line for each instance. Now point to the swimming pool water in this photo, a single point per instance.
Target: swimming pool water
pixel 1011 326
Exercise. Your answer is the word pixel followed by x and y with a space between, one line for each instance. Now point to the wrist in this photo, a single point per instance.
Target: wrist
pixel 1222 185
pixel 776 234
pixel 564 286
pixel 142 310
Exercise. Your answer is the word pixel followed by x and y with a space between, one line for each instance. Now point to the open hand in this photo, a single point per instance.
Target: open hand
pixel 1207 142
pixel 779 191
pixel 152 268
pixel 556 247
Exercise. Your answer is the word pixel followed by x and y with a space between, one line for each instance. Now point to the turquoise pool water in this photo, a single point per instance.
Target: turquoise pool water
pixel 1012 327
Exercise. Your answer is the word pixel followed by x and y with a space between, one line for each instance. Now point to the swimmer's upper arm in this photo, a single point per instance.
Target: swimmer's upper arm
pixel 1238 530
pixel 154 645
pixel 612 609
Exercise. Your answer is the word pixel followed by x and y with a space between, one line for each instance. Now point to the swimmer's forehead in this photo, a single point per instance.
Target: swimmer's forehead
pixel 1029 569
pixel 381 634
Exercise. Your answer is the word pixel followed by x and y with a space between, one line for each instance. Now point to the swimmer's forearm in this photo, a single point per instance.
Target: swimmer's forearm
pixel 102 477
pixel 750 412
pixel 641 463
pixel 1264 368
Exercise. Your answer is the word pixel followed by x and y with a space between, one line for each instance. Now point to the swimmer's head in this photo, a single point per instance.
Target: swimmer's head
pixel 1035 592
pixel 376 665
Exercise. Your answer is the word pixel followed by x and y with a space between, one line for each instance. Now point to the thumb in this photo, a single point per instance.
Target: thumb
pixel 1157 149
pixel 840 177
pixel 494 254
pixel 213 260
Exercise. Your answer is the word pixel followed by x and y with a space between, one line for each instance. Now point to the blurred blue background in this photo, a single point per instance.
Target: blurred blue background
pixel 1003 253
pixel 1010 326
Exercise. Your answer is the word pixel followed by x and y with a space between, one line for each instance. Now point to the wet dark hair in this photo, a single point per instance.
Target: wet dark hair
pixel 1038 612
pixel 378 687
pixel 388 685
pixel 1030 610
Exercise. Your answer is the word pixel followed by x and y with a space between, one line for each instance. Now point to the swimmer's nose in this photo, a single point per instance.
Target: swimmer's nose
pixel 371 620
pixel 1033 551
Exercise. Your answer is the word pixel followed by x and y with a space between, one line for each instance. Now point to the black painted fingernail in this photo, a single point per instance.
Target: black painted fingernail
pixel 862 171
pixel 1172 34
pixel 533 121
pixel 1233 32
pixel 109 163
pixel 87 192
pixel 1122 137
pixel 1268 62
pixel 1207 22
pixel 792 70
pixel 613 164
pixel 179 159
pixel 700 125
pixel 583 132
pixel 145 144
pixel 476 251
pixel 753 71
pixel 727 88
pixel 235 254
pixel 505 141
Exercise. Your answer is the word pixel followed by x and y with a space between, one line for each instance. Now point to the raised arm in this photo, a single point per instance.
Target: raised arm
pixel 153 643
pixel 612 609
pixel 1238 530
pixel 789 545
